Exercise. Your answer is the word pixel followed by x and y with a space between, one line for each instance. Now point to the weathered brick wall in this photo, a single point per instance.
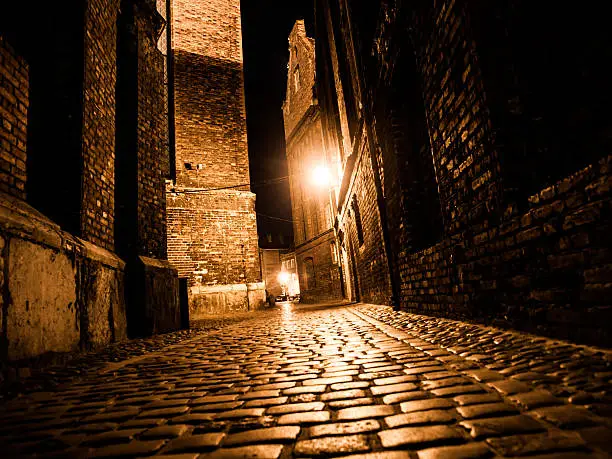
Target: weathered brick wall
pixel 153 165
pixel 319 276
pixel 212 237
pixel 13 116
pixel 299 98
pixel 546 270
pixel 544 110
pixel 209 94
pixel 309 201
pixel 100 75
pixel 370 257
pixel 212 234
pixel 465 159
pixel 325 284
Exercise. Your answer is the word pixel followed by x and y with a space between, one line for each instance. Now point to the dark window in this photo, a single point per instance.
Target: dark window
pixel 355 206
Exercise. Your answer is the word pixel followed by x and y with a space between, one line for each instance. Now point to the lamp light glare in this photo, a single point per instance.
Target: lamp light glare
pixel 283 277
pixel 321 176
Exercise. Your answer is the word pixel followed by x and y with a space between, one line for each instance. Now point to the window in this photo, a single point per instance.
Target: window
pixel 357 214
pixel 269 237
pixel 296 78
pixel 334 253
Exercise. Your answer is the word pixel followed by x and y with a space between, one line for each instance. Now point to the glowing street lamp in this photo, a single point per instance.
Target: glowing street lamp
pixel 321 176
pixel 283 278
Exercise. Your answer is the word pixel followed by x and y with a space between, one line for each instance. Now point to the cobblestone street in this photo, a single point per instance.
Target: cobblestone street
pixel 305 381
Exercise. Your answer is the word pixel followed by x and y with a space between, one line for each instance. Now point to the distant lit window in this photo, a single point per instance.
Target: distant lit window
pixel 296 78
pixel 269 237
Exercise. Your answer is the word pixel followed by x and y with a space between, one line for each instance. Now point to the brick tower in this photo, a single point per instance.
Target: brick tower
pixel 212 229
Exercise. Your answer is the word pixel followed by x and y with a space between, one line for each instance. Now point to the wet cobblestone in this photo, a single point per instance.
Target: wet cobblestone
pixel 352 381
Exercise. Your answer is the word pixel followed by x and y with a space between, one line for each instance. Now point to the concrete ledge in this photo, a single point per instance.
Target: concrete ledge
pixel 58 293
pixel 152 296
pixel 226 298
pixel 223 288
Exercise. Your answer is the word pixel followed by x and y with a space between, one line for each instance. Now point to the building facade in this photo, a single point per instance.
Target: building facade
pixel 212 228
pixel 468 187
pixel 320 274
pixel 83 142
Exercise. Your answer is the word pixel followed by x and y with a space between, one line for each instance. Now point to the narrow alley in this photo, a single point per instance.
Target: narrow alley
pixel 316 380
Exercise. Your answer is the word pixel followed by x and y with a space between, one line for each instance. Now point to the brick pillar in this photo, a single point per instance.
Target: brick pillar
pixel 142 166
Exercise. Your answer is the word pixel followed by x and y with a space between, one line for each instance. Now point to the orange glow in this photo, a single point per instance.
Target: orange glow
pixel 283 278
pixel 321 176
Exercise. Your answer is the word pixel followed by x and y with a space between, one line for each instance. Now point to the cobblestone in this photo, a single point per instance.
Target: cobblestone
pixel 358 381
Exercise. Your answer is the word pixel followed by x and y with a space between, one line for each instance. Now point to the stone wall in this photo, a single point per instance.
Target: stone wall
pixel 547 270
pixel 59 294
pixel 14 111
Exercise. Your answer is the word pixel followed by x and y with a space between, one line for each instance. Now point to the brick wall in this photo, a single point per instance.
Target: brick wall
pixel 544 111
pixel 209 94
pixel 299 96
pixel 13 116
pixel 309 201
pixel 465 159
pixel 372 268
pixel 153 165
pixel 212 237
pixel 100 75
pixel 547 270
pixel 212 234
pixel 319 276
pixel 325 284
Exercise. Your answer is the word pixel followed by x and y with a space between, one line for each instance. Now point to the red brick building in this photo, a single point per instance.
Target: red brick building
pixel 315 247
pixel 83 163
pixel 474 146
pixel 212 228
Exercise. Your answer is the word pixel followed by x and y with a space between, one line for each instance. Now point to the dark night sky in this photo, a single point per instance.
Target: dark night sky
pixel 265 27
